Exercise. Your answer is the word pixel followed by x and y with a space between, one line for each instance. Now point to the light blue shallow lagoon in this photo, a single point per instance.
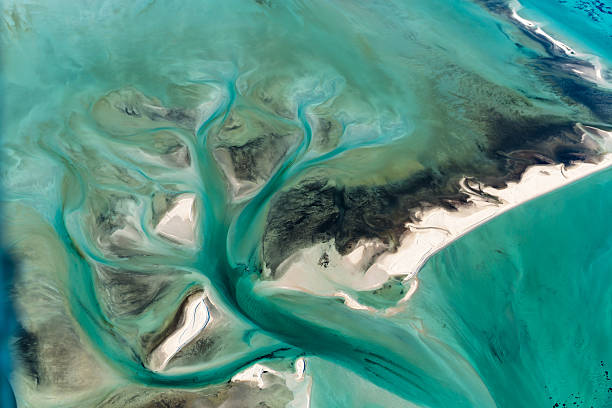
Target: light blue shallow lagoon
pixel 306 203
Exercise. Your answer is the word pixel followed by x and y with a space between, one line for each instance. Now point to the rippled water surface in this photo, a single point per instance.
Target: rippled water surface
pixel 198 197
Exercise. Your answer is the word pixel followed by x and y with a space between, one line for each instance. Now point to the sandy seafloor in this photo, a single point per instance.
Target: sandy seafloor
pixel 306 204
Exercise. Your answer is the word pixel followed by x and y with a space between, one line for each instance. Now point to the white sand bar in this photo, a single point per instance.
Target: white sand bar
pixel 196 317
pixel 439 227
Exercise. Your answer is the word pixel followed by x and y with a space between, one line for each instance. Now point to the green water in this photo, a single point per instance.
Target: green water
pixel 292 124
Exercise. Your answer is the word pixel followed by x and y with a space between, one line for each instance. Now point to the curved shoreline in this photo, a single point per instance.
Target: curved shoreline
pixel 537 181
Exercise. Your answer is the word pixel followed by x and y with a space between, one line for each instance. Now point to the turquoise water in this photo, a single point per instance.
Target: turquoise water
pixel 587 24
pixel 531 311
pixel 286 125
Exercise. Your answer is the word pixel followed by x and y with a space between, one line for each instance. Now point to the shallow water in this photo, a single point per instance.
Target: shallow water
pixel 164 163
pixel 587 24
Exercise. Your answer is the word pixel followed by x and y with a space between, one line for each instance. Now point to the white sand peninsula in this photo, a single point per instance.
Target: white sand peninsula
pixel 368 268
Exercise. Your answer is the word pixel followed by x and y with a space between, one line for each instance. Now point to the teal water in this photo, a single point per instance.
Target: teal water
pixel 526 298
pixel 286 125
pixel 588 24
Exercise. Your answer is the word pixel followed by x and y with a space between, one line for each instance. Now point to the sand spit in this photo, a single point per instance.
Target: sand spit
pixel 195 318
pixel 592 73
pixel 439 227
